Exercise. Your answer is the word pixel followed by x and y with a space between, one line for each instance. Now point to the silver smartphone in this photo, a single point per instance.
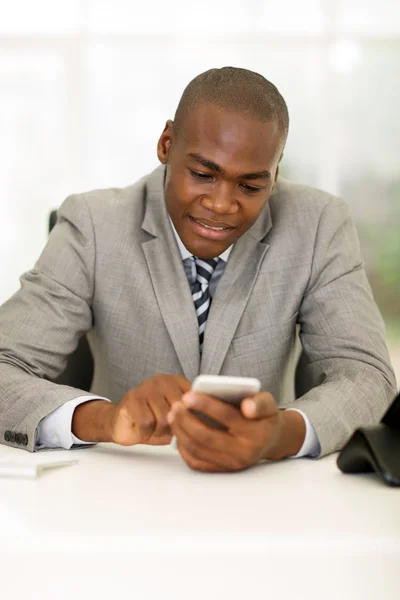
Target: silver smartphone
pixel 228 389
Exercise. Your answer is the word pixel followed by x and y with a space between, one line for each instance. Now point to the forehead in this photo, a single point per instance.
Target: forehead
pixel 230 139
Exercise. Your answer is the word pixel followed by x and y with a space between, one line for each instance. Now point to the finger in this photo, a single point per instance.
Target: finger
pixel 135 423
pixel 144 419
pixel 172 389
pixel 197 464
pixel 202 433
pixel 160 408
pixel 159 441
pixel 196 447
pixel 260 406
pixel 221 411
pixel 183 383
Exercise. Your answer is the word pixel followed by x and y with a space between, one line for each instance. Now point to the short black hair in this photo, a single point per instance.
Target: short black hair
pixel 238 90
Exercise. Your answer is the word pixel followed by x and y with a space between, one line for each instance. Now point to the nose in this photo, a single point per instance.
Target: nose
pixel 221 200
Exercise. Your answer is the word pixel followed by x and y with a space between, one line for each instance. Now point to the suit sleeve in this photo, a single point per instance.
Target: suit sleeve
pixel 347 363
pixel 40 326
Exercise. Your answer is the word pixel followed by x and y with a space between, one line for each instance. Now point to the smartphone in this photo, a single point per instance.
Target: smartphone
pixel 228 389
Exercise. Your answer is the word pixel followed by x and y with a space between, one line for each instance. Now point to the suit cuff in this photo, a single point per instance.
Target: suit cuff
pixel 311 446
pixel 55 430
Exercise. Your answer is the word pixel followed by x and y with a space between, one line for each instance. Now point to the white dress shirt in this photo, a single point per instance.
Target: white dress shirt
pixel 55 430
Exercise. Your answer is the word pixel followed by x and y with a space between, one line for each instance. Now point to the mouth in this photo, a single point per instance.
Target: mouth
pixel 208 231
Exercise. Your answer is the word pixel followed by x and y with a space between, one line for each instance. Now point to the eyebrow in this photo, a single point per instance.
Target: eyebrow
pixel 209 164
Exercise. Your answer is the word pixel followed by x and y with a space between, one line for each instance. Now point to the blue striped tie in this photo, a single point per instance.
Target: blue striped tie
pixel 201 293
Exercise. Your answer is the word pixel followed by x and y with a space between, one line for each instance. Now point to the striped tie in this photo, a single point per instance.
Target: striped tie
pixel 201 293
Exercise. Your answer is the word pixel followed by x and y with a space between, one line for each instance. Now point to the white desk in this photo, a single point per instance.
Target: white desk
pixel 137 523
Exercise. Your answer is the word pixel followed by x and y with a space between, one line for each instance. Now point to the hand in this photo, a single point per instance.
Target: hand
pixel 139 418
pixel 258 430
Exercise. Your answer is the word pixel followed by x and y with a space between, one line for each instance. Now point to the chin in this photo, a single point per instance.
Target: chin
pixel 207 249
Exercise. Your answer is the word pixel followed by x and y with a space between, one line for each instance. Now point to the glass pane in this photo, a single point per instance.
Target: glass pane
pixel 365 103
pixel 41 17
pixel 372 17
pixel 35 171
pixel 158 16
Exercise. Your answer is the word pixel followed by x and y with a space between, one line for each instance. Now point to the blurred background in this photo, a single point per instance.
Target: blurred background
pixel 87 85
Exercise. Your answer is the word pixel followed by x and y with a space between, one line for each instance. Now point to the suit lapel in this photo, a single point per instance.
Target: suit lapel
pixel 172 289
pixel 168 277
pixel 233 292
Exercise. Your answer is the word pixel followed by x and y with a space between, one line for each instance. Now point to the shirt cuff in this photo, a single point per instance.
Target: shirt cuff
pixel 55 430
pixel 311 446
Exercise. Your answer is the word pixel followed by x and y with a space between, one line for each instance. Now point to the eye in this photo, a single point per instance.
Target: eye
pixel 201 176
pixel 250 188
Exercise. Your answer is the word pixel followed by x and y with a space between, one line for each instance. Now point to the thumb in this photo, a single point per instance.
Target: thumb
pixel 260 406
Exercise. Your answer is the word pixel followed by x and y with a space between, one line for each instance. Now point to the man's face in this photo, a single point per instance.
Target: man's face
pixel 221 169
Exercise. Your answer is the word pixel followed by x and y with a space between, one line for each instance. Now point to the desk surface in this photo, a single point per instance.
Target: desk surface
pixel 122 502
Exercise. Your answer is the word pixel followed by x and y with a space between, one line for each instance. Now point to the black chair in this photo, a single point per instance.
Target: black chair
pixel 80 366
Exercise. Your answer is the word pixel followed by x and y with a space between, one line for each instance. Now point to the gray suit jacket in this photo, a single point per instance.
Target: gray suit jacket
pixel 112 268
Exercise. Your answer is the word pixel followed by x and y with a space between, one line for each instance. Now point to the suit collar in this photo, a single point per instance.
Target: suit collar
pixel 156 216
pixel 170 284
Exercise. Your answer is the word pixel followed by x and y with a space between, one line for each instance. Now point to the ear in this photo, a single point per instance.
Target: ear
pixel 165 143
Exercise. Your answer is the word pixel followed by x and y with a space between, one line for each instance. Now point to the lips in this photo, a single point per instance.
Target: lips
pixel 213 224
pixel 209 229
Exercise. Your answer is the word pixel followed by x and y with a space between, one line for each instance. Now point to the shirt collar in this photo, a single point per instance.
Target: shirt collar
pixel 185 252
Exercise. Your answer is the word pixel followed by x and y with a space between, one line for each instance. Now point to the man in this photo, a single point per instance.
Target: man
pixel 204 266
